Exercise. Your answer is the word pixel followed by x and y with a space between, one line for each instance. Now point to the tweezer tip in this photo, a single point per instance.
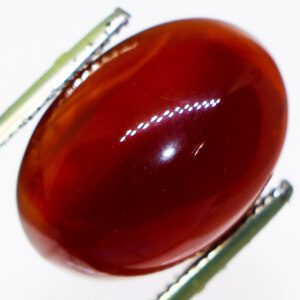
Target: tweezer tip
pixel 284 189
pixel 121 11
pixel 206 266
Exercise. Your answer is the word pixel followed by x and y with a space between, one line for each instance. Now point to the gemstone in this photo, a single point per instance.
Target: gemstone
pixel 155 151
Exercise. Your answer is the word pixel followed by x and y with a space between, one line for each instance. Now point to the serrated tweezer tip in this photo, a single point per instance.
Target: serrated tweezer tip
pixel 209 263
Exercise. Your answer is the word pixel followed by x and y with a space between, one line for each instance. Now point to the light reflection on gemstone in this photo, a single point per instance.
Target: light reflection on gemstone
pixel 153 119
pixel 168 114
pixel 168 152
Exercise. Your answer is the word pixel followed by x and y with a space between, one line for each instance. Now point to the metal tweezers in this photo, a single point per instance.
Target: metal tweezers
pixel 49 86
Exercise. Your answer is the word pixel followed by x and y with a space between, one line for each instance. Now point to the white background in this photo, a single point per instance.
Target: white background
pixel 32 34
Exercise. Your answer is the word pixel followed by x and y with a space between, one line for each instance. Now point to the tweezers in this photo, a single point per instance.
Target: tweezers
pixel 45 90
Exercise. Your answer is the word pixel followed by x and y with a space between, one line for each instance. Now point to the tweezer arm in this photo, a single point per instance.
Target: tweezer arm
pixel 194 279
pixel 48 87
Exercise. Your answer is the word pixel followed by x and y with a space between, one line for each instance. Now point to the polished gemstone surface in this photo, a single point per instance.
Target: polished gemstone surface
pixel 154 152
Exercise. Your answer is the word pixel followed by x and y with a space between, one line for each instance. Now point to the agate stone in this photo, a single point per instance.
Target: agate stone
pixel 155 151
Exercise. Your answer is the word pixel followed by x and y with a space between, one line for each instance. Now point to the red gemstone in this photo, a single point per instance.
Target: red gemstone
pixel 158 153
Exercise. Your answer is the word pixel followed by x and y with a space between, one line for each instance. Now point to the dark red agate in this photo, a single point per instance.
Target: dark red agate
pixel 158 153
